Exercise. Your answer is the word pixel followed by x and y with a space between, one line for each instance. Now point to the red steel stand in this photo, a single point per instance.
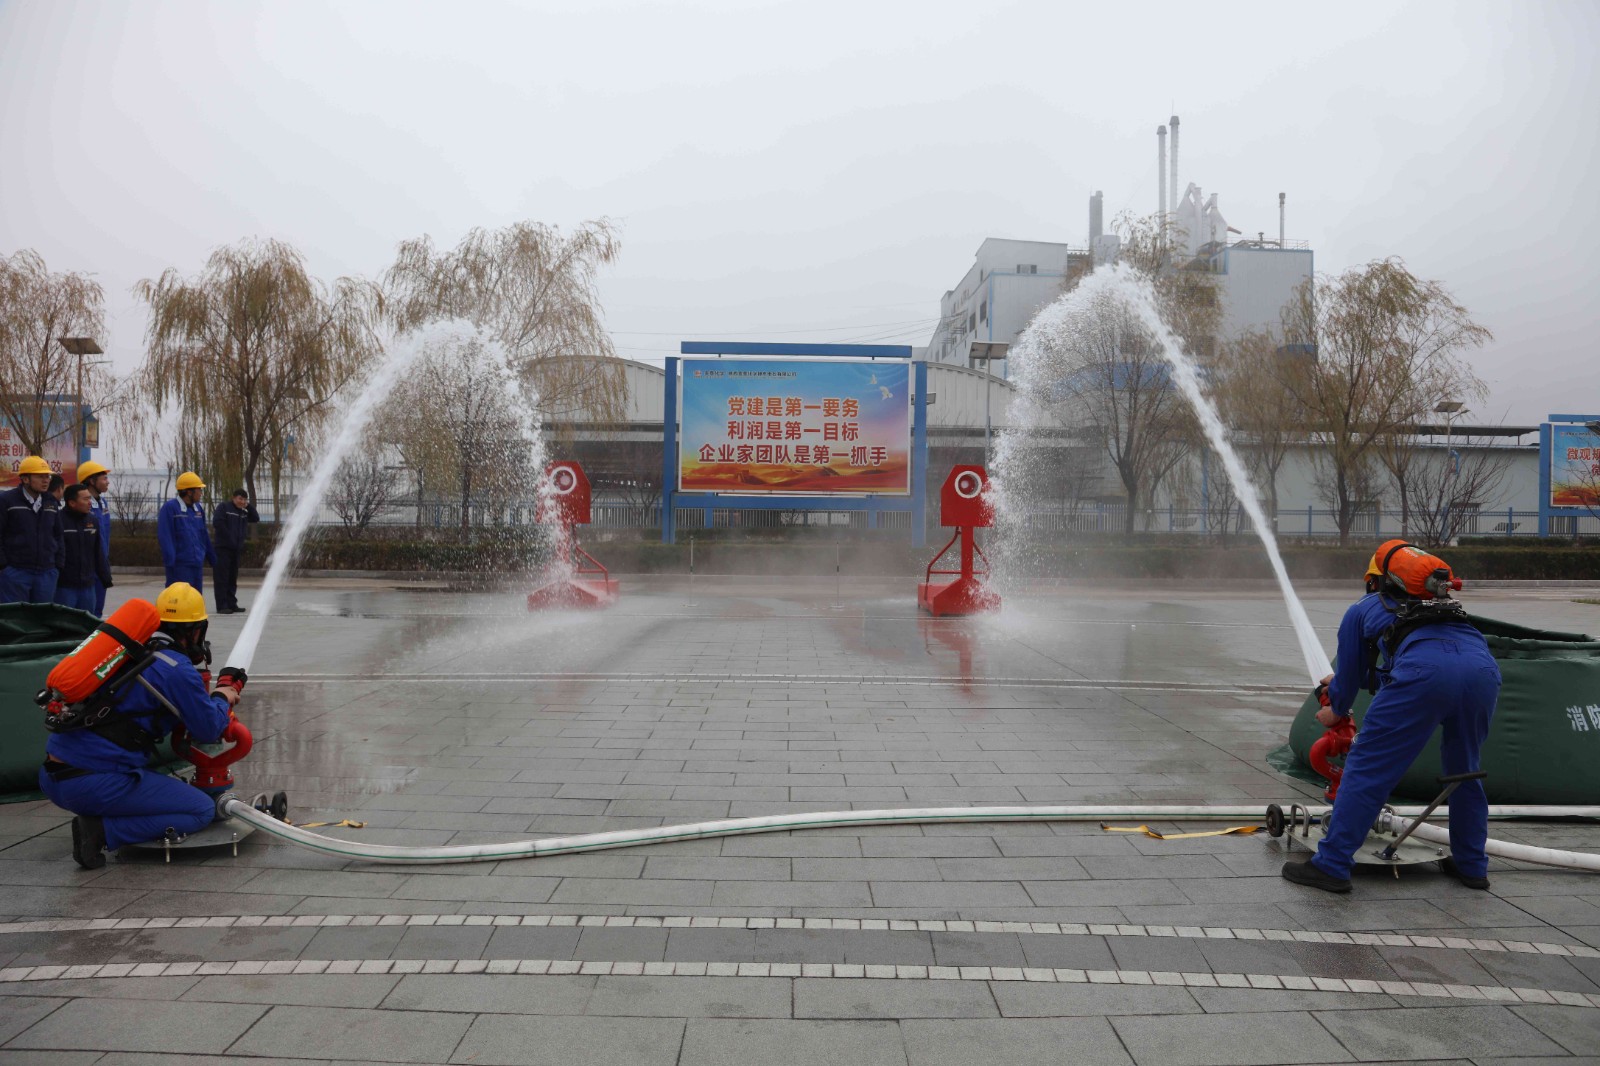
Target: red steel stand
pixel 573 578
pixel 963 503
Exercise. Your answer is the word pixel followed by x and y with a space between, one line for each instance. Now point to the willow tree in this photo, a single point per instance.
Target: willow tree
pixel 38 309
pixel 251 352
pixel 531 289
pixel 1388 349
pixel 458 430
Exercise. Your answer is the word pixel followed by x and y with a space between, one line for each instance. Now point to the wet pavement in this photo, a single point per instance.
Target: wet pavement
pixel 441 717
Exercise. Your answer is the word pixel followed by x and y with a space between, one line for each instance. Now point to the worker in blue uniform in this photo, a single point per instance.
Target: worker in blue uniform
pixel 182 535
pixel 84 573
pixel 31 546
pixel 98 771
pixel 97 478
pixel 1435 672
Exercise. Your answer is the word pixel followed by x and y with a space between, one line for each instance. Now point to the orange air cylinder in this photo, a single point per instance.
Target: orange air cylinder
pixel 91 664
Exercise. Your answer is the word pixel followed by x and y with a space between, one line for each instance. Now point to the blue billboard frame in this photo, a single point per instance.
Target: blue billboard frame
pixel 1546 442
pixel 872 503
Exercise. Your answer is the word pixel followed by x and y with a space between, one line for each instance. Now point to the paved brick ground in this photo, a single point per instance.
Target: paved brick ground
pixel 439 717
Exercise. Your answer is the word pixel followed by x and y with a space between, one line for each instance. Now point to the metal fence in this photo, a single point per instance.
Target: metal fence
pixel 1312 523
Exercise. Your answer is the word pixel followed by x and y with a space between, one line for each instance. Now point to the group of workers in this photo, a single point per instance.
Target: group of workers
pixel 55 538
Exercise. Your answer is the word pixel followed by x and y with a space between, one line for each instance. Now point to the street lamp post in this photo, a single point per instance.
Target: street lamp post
pixel 1450 409
pixel 80 347
pixel 987 352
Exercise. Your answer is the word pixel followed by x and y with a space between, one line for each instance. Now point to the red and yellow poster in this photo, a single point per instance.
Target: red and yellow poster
pixel 795 426
pixel 1574 467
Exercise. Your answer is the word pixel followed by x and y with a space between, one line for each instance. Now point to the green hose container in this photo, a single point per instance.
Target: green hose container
pixel 1544 742
pixel 33 638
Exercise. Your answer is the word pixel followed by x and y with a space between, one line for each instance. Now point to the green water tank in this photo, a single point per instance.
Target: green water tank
pixel 1544 742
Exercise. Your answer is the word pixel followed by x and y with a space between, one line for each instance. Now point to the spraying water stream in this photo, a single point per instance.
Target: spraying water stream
pixel 352 425
pixel 1123 285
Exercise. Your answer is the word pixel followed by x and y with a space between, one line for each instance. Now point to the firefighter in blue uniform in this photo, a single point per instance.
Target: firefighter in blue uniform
pixel 97 479
pixel 85 575
pixel 30 536
pixel 98 772
pixel 1436 672
pixel 181 532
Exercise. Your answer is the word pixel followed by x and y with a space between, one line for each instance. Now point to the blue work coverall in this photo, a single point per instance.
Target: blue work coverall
pixel 101 513
pixel 185 543
pixel 30 546
pixel 84 571
pixel 137 804
pixel 1442 675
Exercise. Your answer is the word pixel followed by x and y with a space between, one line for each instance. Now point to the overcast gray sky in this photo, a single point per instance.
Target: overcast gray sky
pixel 816 170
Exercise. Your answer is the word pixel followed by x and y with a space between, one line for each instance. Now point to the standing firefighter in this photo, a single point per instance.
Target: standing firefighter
pixel 231 522
pixel 30 536
pixel 97 479
pixel 181 532
pixel 100 740
pixel 1436 672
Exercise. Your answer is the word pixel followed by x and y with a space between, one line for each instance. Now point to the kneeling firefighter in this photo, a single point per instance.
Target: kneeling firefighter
pixel 1436 672
pixel 107 706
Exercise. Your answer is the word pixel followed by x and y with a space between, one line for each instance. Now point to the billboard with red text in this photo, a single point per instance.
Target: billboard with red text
pixel 795 426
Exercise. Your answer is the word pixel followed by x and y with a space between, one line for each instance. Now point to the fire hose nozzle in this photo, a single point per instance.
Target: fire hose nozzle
pixel 232 677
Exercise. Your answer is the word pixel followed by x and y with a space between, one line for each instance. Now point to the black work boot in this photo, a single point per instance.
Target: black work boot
pixel 1448 865
pixel 89 842
pixel 1310 874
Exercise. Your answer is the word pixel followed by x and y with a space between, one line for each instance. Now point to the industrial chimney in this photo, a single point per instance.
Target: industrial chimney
pixel 1096 216
pixel 1161 171
pixel 1173 122
pixel 1280 221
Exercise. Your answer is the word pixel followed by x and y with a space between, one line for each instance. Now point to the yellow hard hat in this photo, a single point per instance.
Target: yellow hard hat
pixel 89 470
pixel 34 465
pixel 189 480
pixel 181 602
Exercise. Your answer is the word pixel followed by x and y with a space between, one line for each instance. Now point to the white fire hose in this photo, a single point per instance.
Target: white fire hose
pixel 230 806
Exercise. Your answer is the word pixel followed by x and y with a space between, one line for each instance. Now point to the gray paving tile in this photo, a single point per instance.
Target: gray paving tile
pixel 443 942
pixel 162 988
pixel 1225 1040
pixel 1575 1028
pixel 1436 1032
pixel 867 998
pixel 1294 1002
pixel 50 1058
pixel 711 945
pixel 719 1042
pixel 901 948
pixel 629 945
pixel 1179 954
pixel 358 942
pixel 141 1025
pixel 212 945
pixel 526 1040
pixel 70 949
pixel 691 997
pixel 1019 999
pixel 360 1035
pixel 1013 1042
pixel 17 1013
pixel 309 990
pixel 1073 952
pixel 531 942
pixel 486 993
pixel 977 949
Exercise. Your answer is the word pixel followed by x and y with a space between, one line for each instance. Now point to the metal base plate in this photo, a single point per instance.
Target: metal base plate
pixel 1411 850
pixel 220 834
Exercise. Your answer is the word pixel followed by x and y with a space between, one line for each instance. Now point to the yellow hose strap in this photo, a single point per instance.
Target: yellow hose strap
pixel 323 825
pixel 1147 831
